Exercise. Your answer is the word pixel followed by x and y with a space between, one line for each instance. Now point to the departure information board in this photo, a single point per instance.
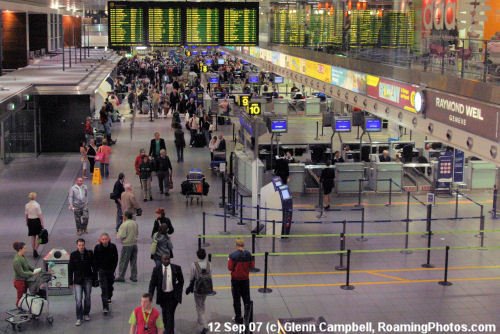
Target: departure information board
pixel 165 26
pixel 155 23
pixel 241 26
pixel 202 26
pixel 126 24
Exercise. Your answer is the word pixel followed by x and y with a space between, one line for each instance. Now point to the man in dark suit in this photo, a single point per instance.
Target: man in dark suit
pixel 167 279
pixel 157 144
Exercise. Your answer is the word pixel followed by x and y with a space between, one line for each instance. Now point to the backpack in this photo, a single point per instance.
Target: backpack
pixel 203 284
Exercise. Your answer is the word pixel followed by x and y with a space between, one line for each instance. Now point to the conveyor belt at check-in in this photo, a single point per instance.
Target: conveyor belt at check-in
pixel 414 179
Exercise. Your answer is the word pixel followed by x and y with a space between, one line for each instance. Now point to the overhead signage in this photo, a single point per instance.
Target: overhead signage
pixel 389 91
pixel 244 101
pixel 254 109
pixel 475 117
pixel 439 14
pixel 458 166
pixel 347 79
pixel 317 71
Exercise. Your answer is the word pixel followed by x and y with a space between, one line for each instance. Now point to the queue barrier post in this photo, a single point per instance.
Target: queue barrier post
pixel 481 227
pixel 254 269
pixel 223 204
pixel 265 289
pixel 456 204
pixel 445 281
pixel 495 198
pixel 205 244
pixel 274 236
pixel 258 219
pixel 390 193
pixel 407 223
pixel 429 237
pixel 359 192
pixel 362 237
pixel 199 242
pixel 341 255
pixel 241 211
pixel 347 286
pixel 225 232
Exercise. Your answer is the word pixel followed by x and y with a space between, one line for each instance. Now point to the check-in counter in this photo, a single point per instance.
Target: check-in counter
pixel 297 177
pixel 384 171
pixel 344 172
pixel 243 170
pixel 313 106
pixel 280 106
pixel 482 174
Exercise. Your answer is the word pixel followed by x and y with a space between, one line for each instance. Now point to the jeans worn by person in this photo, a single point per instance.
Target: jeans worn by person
pixel 163 181
pixel 82 297
pixel 128 254
pixel 180 153
pixel 104 170
pixel 146 188
pixel 106 281
pixel 81 218
pixel 119 215
pixel 199 300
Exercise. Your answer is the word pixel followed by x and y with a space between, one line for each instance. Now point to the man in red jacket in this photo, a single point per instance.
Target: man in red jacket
pixel 239 264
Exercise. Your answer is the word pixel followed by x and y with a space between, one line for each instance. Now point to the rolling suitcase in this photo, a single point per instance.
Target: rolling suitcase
pixel 221 120
pixel 199 140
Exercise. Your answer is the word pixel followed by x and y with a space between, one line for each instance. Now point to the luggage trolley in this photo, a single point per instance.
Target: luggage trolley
pixel 194 186
pixel 32 304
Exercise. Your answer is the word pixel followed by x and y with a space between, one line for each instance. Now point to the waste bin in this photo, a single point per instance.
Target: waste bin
pixel 57 260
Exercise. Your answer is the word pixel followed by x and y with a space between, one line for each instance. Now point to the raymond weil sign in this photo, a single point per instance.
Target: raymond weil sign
pixel 472 116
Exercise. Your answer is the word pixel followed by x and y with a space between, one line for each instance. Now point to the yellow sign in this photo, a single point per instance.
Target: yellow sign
pixel 204 69
pixel 97 178
pixel 254 109
pixel 244 101
pixel 296 64
pixel 318 71
pixel 188 53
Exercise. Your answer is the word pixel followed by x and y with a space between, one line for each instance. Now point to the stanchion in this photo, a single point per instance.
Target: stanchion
pixel 274 236
pixel 258 219
pixel 225 232
pixel 241 211
pixel 407 223
pixel 223 204
pixel 347 286
pixel 234 199
pixel 494 208
pixel 362 237
pixel 390 194
pixel 317 131
pixel 205 244
pixel 342 248
pixel 254 269
pixel 265 289
pixel 445 282
pixel 199 242
pixel 456 204
pixel 359 192
pixel 429 237
pixel 481 227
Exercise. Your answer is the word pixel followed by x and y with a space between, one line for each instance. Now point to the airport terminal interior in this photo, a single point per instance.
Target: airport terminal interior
pixel 336 160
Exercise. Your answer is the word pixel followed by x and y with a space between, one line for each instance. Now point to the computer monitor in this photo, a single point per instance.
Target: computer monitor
pixel 277 182
pixel 253 78
pixel 213 80
pixel 220 61
pixel 204 53
pixel 373 125
pixel 194 52
pixel 209 61
pixel 278 80
pixel 343 125
pixel 285 193
pixel 279 126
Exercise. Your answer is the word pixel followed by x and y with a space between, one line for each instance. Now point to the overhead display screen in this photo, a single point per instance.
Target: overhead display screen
pixel 241 26
pixel 202 26
pixel 343 125
pixel 126 24
pixel 164 26
pixel 373 125
pixel 155 23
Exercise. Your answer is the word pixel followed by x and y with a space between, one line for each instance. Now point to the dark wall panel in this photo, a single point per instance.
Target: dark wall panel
pixel 72 30
pixel 62 121
pixel 38 31
pixel 15 44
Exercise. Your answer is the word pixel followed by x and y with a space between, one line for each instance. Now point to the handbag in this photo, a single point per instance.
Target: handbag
pixel 99 156
pixel 138 212
pixel 43 237
pixel 112 196
pixel 154 244
pixel 170 183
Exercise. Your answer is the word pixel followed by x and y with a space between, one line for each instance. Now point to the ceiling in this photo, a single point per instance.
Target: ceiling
pixel 61 4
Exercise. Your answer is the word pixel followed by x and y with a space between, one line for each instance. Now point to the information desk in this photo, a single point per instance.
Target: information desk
pixel 385 170
pixel 347 175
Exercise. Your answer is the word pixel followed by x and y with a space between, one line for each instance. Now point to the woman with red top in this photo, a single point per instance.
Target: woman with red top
pixel 105 153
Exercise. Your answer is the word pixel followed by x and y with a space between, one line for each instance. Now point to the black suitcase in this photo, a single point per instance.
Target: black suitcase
pixel 221 120
pixel 199 140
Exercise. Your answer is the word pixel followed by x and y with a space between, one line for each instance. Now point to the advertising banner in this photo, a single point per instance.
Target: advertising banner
pixel 396 93
pixel 351 80
pixel 275 57
pixel 282 60
pixel 254 51
pixel 475 117
pixel 458 166
pixel 445 170
pixel 317 71
pixel 296 64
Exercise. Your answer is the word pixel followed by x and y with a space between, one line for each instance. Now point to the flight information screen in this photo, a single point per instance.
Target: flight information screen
pixel 202 26
pixel 241 26
pixel 165 26
pixel 126 24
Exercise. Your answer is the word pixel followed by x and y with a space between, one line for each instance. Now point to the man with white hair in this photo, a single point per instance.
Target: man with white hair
pixel 128 200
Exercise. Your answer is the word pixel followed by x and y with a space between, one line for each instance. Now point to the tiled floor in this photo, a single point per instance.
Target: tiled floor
pixel 390 286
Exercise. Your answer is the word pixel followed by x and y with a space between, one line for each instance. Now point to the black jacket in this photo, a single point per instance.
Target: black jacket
pixel 179 138
pixel 156 283
pixel 105 258
pixel 163 220
pixel 145 170
pixel 79 270
pixel 152 146
pixel 118 189
pixel 163 164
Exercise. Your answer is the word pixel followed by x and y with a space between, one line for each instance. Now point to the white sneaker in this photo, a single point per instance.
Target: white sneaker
pixel 86 317
pixel 78 322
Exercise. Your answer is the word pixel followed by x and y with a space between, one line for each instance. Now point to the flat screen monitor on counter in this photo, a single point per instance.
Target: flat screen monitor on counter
pixel 373 124
pixel 253 78
pixel 279 126
pixel 343 125
pixel 278 80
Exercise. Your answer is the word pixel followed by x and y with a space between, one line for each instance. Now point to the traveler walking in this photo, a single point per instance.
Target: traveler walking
pixel 239 264
pixel 104 154
pixel 91 153
pixel 116 195
pixel 138 161
pixel 78 203
pixel 106 260
pixel 128 200
pixel 128 233
pixel 180 142
pixel 161 245
pixel 82 275
pixel 145 171
pixel 34 220
pixel 146 319
pixel 201 285
pixel 162 219
pixel 168 280
pixel 163 172
pixel 157 144
pixel 327 177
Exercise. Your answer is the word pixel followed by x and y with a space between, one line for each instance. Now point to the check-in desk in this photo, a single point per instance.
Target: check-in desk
pixel 482 174
pixel 280 106
pixel 313 106
pixel 348 171
pixel 297 177
pixel 384 171
pixel 243 170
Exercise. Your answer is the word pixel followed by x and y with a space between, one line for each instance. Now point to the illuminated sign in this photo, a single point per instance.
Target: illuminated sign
pixel 254 109
pixel 396 93
pixel 439 14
